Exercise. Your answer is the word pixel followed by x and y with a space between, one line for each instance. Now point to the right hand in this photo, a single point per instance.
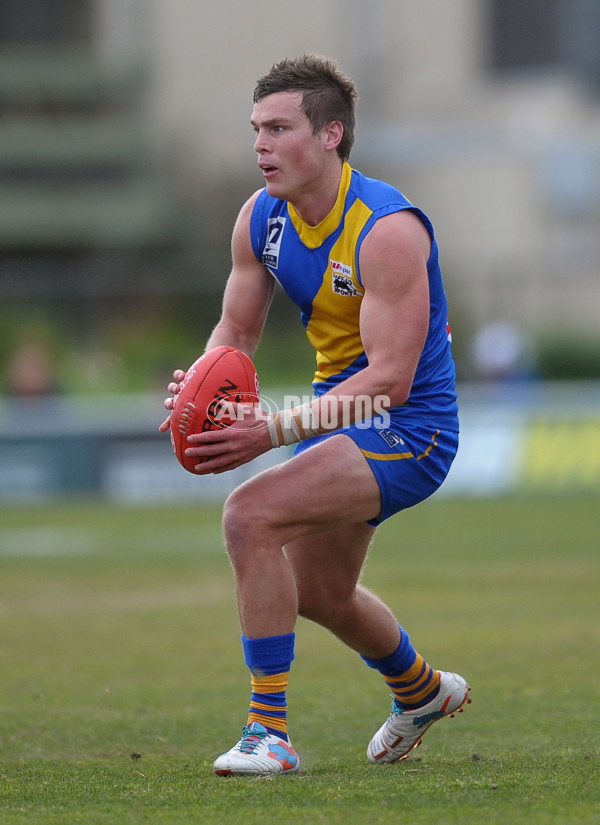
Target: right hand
pixel 173 388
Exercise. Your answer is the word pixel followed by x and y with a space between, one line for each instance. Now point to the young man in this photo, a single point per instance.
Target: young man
pixel 361 263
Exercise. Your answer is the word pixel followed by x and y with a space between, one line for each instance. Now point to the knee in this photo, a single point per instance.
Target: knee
pixel 237 515
pixel 322 612
pixel 245 519
pixel 323 604
pixel 311 609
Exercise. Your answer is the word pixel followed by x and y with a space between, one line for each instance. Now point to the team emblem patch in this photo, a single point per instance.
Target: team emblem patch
pixel 271 249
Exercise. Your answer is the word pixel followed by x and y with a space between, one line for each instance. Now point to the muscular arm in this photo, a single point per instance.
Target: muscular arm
pixel 394 316
pixel 248 293
pixel 246 301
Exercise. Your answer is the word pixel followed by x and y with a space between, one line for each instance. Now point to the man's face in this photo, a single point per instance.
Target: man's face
pixel 290 156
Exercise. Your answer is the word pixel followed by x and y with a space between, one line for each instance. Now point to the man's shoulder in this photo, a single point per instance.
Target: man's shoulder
pixel 384 198
pixel 263 205
pixel 377 191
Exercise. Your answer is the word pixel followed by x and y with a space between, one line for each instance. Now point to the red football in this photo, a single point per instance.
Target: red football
pixel 220 376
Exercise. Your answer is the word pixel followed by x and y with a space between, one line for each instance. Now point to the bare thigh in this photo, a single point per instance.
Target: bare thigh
pixel 327 486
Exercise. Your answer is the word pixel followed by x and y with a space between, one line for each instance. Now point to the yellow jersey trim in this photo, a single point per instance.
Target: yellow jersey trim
pixel 313 236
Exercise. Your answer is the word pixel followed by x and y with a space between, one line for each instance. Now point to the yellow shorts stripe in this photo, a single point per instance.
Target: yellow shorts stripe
pixel 386 456
pixel 399 456
pixel 431 446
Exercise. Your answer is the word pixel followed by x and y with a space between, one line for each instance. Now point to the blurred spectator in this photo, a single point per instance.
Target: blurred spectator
pixel 500 351
pixel 31 372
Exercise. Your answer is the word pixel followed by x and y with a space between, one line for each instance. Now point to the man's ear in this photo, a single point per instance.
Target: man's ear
pixel 334 132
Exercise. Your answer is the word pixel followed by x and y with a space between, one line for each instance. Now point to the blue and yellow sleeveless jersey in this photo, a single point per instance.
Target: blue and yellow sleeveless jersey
pixel 318 268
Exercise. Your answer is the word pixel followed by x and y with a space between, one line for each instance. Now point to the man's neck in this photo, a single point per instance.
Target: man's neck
pixel 317 204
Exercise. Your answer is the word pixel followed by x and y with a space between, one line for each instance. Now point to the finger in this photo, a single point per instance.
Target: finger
pixel 211 457
pixel 216 465
pixel 207 450
pixel 208 437
pixel 165 424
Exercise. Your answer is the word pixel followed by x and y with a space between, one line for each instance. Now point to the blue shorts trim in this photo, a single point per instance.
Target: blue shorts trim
pixel 409 462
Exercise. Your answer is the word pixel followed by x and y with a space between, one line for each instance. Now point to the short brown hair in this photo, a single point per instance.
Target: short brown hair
pixel 327 93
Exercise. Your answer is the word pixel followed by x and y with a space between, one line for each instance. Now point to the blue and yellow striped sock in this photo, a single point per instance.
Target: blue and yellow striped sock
pixel 413 682
pixel 269 659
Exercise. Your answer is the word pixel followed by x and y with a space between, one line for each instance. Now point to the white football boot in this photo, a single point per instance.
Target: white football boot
pixel 404 729
pixel 258 752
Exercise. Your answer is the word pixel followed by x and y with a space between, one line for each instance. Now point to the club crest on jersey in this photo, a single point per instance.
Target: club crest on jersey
pixel 341 279
pixel 275 227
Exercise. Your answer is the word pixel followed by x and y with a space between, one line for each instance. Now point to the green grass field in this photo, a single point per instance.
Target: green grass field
pixel 121 674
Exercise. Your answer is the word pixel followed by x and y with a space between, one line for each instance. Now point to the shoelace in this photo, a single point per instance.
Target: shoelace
pixel 396 711
pixel 251 739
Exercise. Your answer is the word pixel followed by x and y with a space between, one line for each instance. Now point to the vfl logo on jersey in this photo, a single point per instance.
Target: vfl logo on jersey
pixel 391 438
pixel 275 227
pixel 341 279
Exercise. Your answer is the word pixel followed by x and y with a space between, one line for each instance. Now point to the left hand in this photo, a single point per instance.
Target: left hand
pixel 221 450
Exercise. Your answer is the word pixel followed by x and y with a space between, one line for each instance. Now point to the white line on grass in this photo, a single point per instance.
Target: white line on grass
pixel 43 541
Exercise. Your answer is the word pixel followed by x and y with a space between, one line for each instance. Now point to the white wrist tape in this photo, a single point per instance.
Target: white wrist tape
pixel 291 426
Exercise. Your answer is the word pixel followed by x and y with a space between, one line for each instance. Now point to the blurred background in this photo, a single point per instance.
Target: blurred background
pixel 126 152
